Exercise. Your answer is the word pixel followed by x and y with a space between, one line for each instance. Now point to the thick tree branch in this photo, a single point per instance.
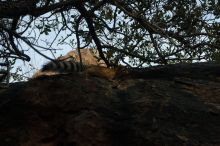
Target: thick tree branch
pixel 28 7
pixel 162 58
pixel 11 39
pixel 89 21
pixel 145 24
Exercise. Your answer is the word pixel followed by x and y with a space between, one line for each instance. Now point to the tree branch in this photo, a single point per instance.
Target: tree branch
pixel 162 58
pixel 89 21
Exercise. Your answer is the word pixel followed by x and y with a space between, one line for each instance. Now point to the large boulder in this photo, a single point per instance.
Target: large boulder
pixel 179 108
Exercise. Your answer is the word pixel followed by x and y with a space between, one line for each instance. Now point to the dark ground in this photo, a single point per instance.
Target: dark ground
pixel 177 105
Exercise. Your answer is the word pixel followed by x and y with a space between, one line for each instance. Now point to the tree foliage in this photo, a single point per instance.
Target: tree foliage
pixel 145 31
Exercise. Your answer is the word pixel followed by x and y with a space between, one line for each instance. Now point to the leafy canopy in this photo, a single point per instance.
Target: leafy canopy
pixel 145 32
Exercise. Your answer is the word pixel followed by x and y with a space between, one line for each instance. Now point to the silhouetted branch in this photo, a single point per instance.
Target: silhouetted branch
pixel 89 21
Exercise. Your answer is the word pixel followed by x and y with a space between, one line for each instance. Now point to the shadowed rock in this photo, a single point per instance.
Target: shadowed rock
pixel 180 107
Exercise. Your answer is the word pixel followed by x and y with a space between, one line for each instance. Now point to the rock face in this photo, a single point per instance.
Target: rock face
pixel 139 109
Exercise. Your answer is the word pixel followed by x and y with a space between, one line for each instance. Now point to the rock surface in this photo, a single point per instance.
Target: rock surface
pixel 178 105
